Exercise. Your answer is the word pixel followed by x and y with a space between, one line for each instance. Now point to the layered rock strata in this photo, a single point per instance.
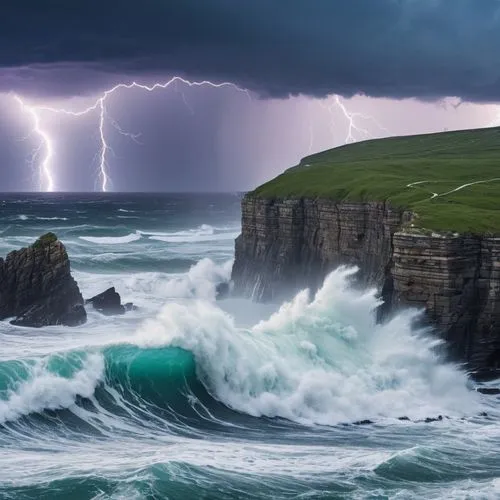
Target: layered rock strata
pixel 288 244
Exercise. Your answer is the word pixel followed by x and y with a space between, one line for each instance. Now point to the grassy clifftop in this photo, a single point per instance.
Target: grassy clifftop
pixel 450 180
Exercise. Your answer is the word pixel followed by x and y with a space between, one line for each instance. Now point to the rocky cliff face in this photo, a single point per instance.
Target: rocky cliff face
pixel 289 244
pixel 457 280
pixel 36 286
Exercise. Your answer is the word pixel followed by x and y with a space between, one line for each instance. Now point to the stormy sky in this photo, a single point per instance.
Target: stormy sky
pixel 402 66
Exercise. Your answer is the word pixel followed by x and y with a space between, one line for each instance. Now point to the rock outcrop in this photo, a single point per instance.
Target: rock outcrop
pixel 36 286
pixel 109 303
pixel 288 244
pixel 222 290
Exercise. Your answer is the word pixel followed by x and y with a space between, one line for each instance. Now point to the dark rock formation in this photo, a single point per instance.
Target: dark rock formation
pixel 286 245
pixel 36 286
pixel 222 291
pixel 108 303
pixel 490 391
pixel 290 244
pixel 457 280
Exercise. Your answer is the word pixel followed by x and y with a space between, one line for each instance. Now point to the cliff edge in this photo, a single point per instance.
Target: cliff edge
pixel 36 286
pixel 436 248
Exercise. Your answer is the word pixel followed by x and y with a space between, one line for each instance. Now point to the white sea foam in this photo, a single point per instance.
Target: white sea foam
pixel 152 289
pixel 46 390
pixel 204 229
pixel 194 238
pixel 316 361
pixel 112 240
pixel 51 218
pixel 205 232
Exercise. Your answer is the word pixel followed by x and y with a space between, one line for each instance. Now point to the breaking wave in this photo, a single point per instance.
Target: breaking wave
pixel 112 240
pixel 315 361
pixel 321 361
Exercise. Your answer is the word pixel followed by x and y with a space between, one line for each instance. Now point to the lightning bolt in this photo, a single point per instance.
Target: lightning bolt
pixel 99 106
pixel 334 105
pixel 352 127
pixel 46 177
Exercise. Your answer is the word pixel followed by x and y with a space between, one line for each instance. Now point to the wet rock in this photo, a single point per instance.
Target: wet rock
pixel 36 286
pixel 129 306
pixel 490 391
pixel 222 291
pixel 363 422
pixel 428 420
pixel 108 302
pixel 404 419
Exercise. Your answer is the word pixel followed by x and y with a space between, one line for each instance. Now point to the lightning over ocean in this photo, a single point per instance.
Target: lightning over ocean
pixel 45 152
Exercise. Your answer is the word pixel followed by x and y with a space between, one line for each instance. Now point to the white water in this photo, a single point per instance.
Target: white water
pixel 112 240
pixel 320 361
pixel 47 391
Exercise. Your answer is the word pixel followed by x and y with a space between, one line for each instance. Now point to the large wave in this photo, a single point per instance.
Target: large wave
pixel 321 361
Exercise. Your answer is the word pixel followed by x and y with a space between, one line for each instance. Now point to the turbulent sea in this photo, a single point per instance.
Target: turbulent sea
pixel 193 398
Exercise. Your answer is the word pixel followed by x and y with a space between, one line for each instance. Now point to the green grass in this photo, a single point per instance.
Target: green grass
pixel 45 240
pixel 380 170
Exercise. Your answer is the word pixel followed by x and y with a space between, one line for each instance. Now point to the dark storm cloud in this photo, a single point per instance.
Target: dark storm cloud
pixel 392 48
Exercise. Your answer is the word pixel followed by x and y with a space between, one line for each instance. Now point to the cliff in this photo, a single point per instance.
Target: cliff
pixel 288 244
pixel 36 286
pixel 420 217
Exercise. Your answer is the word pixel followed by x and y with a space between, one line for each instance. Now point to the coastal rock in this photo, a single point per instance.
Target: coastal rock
pixel 222 291
pixel 490 391
pixel 36 286
pixel 290 244
pixel 108 303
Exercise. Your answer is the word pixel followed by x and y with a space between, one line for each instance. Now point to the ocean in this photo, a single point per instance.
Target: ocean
pixel 193 398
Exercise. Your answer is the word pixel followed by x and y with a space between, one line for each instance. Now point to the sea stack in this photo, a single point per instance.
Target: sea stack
pixel 36 286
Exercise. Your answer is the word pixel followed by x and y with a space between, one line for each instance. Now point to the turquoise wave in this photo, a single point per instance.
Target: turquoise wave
pixel 144 387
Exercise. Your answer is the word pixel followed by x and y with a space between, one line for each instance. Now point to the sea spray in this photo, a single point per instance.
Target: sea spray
pixel 150 290
pixel 322 360
pixel 50 384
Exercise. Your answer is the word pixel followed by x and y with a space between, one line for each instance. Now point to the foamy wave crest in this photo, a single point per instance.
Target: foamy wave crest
pixel 112 240
pixel 205 232
pixel 321 361
pixel 51 218
pixel 46 390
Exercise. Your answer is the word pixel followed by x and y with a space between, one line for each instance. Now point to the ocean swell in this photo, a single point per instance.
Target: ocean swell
pixel 322 360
